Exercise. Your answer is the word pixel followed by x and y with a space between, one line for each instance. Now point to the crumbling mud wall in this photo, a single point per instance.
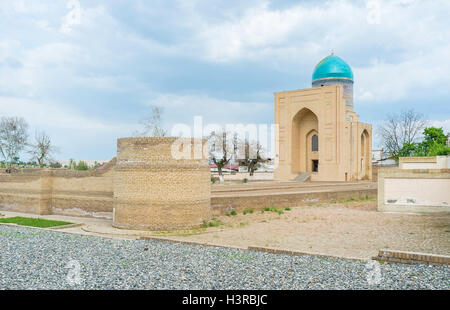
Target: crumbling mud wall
pixel 59 191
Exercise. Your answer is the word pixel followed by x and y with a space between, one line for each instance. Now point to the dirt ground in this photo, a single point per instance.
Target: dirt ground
pixel 351 229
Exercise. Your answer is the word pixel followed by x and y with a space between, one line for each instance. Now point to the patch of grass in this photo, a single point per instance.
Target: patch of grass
pixel 213 223
pixel 269 209
pixel 233 213
pixel 248 211
pixel 33 222
pixel 245 180
pixel 287 209
pixel 365 198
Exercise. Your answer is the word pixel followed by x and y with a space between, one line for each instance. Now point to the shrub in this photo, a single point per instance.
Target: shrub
pixel 213 180
pixel 82 165
pixel 233 212
pixel 245 180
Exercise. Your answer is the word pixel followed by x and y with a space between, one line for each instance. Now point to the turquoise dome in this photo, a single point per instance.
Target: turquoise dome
pixel 332 67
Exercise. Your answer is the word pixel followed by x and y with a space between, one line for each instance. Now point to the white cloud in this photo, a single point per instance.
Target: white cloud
pixel 72 18
pixel 445 124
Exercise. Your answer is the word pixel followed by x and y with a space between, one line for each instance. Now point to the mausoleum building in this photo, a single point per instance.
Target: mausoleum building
pixel 320 136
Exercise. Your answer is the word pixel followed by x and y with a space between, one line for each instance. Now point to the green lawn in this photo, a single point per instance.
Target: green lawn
pixel 34 222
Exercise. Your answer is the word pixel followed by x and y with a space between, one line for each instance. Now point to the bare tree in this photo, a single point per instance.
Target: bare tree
pixel 253 155
pixel 400 129
pixel 222 148
pixel 152 124
pixel 13 137
pixel 42 148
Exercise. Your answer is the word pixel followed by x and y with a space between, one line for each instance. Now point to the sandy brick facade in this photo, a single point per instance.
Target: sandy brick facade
pixel 144 188
pixel 344 143
pixel 153 190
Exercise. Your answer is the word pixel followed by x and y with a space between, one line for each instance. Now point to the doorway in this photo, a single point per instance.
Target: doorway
pixel 315 165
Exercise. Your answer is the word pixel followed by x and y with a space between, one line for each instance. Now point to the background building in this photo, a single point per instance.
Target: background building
pixel 320 136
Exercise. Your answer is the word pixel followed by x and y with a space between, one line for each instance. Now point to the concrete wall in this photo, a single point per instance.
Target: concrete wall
pixel 59 191
pixel 434 162
pixel 414 191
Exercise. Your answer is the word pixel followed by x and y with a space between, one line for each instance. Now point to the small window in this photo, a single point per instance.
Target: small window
pixel 315 143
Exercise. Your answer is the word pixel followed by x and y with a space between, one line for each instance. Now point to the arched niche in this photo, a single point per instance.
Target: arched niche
pixel 365 160
pixel 304 128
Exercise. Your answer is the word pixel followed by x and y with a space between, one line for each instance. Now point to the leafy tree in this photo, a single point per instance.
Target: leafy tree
pixel 55 165
pixel 82 165
pixel 434 143
pixel 439 150
pixel 408 149
pixel 401 129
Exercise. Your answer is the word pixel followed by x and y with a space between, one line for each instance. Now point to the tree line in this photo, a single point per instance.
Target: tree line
pixel 14 139
pixel 401 132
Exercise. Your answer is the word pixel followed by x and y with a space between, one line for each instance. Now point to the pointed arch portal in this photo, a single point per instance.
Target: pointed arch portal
pixel 305 142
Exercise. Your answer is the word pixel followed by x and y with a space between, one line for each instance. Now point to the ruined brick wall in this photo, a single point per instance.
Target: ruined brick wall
pixel 154 190
pixel 59 191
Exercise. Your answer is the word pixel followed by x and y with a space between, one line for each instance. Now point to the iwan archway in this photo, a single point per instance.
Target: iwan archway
pixel 305 142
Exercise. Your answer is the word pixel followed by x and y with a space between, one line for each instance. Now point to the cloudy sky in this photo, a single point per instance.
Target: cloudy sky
pixel 87 71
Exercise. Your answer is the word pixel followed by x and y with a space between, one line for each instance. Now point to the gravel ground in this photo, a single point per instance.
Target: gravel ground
pixel 37 259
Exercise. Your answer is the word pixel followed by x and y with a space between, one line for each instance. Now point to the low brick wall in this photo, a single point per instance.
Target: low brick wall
pixel 222 205
pixel 59 191
pixel 411 257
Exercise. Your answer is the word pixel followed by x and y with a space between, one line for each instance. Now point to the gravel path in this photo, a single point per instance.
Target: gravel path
pixel 37 259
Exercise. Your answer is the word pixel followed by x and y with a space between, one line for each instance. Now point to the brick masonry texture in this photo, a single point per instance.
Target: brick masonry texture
pixel 412 258
pixel 155 191
pixel 147 188
pixel 59 191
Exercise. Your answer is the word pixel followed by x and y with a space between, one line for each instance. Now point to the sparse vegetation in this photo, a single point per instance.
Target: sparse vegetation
pixel 82 165
pixel 269 209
